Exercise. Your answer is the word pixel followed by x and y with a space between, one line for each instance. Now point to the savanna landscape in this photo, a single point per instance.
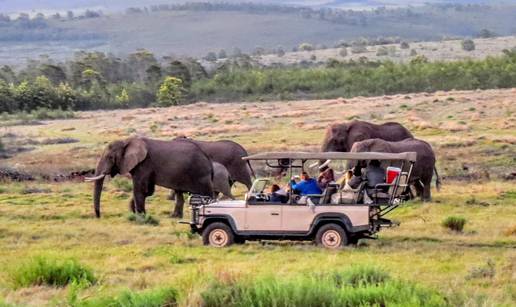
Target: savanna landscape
pixel 156 259
pixel 78 75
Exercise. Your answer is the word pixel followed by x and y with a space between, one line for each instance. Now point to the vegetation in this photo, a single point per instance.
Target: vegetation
pixel 98 81
pixel 355 79
pixel 143 219
pixel 150 298
pixel 468 45
pixel 323 290
pixel 455 223
pixel 51 271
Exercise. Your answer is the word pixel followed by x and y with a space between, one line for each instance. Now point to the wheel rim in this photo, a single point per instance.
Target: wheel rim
pixel 331 239
pixel 218 237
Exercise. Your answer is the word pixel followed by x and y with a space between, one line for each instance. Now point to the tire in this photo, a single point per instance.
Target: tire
pixel 218 235
pixel 239 240
pixel 331 236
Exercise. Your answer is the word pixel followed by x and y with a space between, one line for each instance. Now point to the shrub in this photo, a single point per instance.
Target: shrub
pixel 343 52
pixel 317 291
pixel 468 45
pixel 455 223
pixel 404 45
pixel 149 298
pixel 51 271
pixel 382 51
pixel 143 219
pixel 362 276
pixel 486 271
pixel 170 92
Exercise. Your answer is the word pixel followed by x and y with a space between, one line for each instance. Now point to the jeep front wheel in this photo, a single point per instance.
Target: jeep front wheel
pixel 331 236
pixel 218 235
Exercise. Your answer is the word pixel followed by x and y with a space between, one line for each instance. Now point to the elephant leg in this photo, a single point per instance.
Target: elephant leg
pixel 427 191
pixel 180 201
pixel 132 208
pixel 172 195
pixel 140 190
pixel 419 189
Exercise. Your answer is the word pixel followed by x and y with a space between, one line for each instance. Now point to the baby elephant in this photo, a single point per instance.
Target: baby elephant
pixel 424 167
pixel 221 180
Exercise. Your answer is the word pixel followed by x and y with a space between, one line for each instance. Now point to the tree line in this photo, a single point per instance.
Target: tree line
pixel 102 81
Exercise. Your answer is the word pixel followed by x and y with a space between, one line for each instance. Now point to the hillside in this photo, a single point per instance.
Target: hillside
pixel 196 30
pixel 473 133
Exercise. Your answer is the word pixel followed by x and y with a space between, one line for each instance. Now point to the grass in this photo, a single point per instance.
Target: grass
pixel 151 298
pixel 51 271
pixel 455 223
pixel 323 290
pixel 143 219
pixel 127 256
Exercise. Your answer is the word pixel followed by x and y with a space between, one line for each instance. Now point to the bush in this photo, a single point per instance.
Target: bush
pixel 51 271
pixel 324 290
pixel 149 298
pixel 343 52
pixel 468 45
pixel 362 276
pixel 382 51
pixel 455 223
pixel 404 45
pixel 143 219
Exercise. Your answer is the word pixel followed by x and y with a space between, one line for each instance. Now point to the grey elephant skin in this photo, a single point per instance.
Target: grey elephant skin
pixel 221 180
pixel 177 165
pixel 424 167
pixel 341 137
pixel 227 153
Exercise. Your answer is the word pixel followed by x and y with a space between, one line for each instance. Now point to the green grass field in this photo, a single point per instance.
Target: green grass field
pixel 158 262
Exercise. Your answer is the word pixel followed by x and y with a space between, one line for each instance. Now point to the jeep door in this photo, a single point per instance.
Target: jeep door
pixel 297 217
pixel 263 217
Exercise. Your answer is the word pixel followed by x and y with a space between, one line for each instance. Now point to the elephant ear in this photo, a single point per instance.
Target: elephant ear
pixel 135 152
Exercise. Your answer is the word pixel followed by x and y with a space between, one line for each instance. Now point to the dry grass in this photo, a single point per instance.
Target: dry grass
pixel 125 255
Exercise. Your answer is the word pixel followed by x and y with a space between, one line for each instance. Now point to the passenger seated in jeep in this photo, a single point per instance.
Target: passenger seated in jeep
pixel 306 186
pixel 278 195
pixel 375 174
pixel 325 177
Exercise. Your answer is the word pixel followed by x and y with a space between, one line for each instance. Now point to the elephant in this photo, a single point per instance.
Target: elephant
pixel 341 137
pixel 227 153
pixel 423 169
pixel 177 165
pixel 221 180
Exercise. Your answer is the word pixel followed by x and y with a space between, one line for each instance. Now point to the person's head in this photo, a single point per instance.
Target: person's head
pixel 305 176
pixel 275 188
pixel 323 169
pixel 348 175
pixel 375 163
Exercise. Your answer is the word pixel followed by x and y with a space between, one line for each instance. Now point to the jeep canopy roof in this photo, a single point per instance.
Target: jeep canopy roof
pixel 404 156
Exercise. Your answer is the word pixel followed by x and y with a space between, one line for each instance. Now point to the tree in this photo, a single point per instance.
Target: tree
pixel 485 33
pixel 179 70
pixel 211 56
pixel 222 54
pixel 468 45
pixel 170 92
pixel 404 45
pixel 54 73
pixel 306 47
pixel 123 98
pixel 382 51
pixel 7 100
pixel 66 96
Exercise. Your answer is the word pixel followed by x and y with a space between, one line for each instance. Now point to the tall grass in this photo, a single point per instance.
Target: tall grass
pixel 358 287
pixel 455 223
pixel 150 298
pixel 51 271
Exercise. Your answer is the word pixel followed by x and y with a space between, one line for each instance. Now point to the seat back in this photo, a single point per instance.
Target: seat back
pixel 326 195
pixel 401 183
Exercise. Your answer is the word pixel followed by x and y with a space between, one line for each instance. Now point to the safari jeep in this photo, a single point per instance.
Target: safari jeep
pixel 331 219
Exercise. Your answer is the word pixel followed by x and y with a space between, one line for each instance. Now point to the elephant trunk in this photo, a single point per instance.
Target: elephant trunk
pixel 96 196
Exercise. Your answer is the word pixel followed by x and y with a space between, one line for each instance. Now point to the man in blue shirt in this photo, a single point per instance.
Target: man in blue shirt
pixel 306 186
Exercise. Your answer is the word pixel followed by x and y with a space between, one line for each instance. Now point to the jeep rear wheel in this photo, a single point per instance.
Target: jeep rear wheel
pixel 218 235
pixel 331 236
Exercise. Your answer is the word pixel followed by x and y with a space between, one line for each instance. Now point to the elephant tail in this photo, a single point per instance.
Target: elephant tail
pixel 253 174
pixel 437 179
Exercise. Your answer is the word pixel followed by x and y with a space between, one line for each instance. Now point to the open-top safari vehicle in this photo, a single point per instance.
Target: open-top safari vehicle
pixel 332 219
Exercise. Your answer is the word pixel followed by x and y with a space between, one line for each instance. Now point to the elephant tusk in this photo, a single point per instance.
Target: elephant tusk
pixel 89 179
pixel 324 164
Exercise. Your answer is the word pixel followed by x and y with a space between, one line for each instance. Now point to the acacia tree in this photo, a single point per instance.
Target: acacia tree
pixel 170 92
